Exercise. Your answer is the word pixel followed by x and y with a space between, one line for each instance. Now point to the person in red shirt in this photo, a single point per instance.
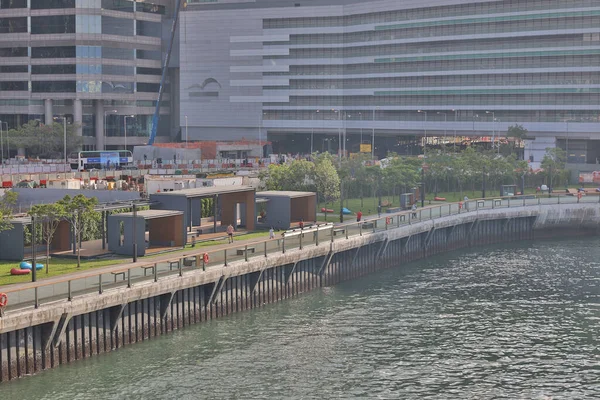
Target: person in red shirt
pixel 358 216
pixel 301 224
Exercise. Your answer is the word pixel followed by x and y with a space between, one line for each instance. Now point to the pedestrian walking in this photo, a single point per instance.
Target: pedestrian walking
pixel 414 210
pixel 230 233
pixel 358 216
pixel 379 210
pixel 466 199
pixel 271 233
pixel 301 224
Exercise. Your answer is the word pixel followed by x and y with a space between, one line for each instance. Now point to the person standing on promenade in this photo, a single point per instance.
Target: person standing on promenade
pixel 230 233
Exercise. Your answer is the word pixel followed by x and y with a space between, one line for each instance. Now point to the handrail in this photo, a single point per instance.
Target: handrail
pixel 401 218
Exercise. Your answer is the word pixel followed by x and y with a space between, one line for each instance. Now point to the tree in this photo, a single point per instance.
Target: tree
pixel 554 163
pixel 326 179
pixel 50 216
pixel 7 203
pixel 44 141
pixel 79 211
pixel 401 172
pixel 294 176
pixel 517 132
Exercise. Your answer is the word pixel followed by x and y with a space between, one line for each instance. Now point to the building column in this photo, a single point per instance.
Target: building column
pixel 48 113
pixel 78 116
pixel 99 124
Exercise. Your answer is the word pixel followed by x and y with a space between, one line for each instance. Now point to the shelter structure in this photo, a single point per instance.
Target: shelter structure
pixel 233 205
pixel 12 241
pixel 164 227
pixel 285 209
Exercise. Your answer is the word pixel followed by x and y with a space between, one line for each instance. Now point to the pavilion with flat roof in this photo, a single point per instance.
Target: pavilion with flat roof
pixel 233 205
pixel 164 227
pixel 285 209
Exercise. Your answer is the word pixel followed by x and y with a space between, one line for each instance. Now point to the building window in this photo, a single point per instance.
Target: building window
pixel 53 24
pixel 13 25
pixel 5 4
pixel 14 86
pixel 89 24
pixel 52 69
pixel 53 87
pixel 89 86
pixel 13 52
pixel 53 52
pixel 147 87
pixel 46 4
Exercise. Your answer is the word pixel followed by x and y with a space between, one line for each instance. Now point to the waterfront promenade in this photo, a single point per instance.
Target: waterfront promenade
pixel 68 286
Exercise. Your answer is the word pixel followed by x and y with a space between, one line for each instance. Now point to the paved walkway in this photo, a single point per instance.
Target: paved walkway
pixel 57 287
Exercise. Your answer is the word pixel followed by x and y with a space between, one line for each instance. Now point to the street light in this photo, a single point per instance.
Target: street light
pixel 64 118
pixel 425 129
pixel 7 142
pixel 373 138
pixel 106 112
pixel 493 127
pixel 445 126
pixel 1 144
pixel 186 133
pixel 312 130
pixel 455 120
pixel 125 124
pixel 567 141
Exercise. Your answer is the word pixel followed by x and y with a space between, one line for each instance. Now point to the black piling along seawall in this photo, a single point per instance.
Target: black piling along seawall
pixel 33 349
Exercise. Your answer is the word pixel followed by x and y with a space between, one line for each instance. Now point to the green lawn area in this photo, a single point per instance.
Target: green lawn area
pixel 58 266
pixel 61 266
pixel 369 204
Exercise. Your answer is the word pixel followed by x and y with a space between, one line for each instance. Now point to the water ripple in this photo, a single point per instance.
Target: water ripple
pixel 502 322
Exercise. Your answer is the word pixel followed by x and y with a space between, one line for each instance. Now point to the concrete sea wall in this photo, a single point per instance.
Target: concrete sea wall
pixel 32 340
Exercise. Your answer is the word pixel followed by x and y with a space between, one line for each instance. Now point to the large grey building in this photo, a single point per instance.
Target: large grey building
pixel 95 62
pixel 303 72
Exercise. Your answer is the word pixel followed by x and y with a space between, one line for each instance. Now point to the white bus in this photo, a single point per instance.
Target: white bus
pixel 101 160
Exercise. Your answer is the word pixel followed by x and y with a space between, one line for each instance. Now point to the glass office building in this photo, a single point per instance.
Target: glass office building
pixel 95 62
pixel 307 73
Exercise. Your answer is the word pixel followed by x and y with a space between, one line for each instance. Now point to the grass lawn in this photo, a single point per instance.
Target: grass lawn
pixel 61 266
pixel 58 266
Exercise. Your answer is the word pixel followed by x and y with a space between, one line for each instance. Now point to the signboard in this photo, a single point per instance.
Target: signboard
pixel 365 148
pixel 589 177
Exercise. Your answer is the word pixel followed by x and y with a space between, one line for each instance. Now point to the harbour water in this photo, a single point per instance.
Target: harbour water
pixel 512 321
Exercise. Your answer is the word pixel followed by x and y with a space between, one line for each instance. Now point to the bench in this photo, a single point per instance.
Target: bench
pixel 147 268
pixel 368 225
pixel 115 274
pixel 241 252
pixel 339 230
pixel 173 264
pixel 189 262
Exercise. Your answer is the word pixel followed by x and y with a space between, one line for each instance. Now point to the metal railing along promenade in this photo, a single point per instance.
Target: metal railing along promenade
pixel 100 280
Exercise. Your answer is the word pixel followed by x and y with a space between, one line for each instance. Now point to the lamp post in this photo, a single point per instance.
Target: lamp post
pixel 64 118
pixel 445 127
pixel 125 124
pixel 1 145
pixel 373 137
pixel 7 142
pixel 567 140
pixel 312 130
pixel 425 130
pixel 186 132
pixel 361 129
pixel 106 112
pixel 455 120
pixel 493 126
